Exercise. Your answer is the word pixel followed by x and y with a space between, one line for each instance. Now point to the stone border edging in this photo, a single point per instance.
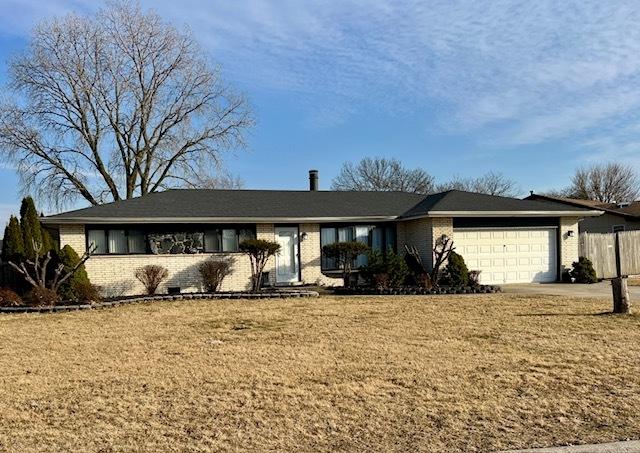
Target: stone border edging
pixel 417 291
pixel 186 296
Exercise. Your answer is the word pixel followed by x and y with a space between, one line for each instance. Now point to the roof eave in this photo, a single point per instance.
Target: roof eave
pixel 155 220
pixel 585 213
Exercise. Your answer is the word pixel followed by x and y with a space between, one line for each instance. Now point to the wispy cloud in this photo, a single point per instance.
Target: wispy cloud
pixel 516 73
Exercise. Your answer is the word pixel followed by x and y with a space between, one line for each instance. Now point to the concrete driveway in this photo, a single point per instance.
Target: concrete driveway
pixel 596 290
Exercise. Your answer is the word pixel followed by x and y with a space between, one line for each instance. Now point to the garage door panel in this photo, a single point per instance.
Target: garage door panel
pixel 508 256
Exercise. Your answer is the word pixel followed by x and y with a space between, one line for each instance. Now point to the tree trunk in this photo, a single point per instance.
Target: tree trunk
pixel 621 301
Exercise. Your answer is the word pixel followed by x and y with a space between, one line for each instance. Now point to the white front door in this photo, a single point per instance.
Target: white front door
pixel 287 263
pixel 509 255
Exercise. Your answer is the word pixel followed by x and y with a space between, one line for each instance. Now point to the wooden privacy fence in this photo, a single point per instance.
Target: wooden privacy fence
pixel 601 250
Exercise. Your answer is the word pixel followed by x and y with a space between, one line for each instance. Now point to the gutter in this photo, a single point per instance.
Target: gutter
pixel 585 213
pixel 222 220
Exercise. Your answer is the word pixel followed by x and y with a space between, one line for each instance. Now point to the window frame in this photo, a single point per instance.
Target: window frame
pixel 385 239
pixel 620 229
pixel 148 230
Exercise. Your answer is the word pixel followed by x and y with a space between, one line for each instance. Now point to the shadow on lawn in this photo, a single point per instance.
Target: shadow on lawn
pixel 576 315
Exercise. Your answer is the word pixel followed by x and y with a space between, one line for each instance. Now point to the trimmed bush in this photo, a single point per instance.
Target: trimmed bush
pixel 259 252
pixel 213 272
pixel 86 293
pixel 456 270
pixel 474 278
pixel 42 297
pixel 397 269
pixel 151 276
pixel 9 298
pixel 583 271
pixel 68 289
pixel 345 253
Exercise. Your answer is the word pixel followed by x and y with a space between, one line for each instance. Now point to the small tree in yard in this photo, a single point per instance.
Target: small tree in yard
pixel 69 290
pixel 213 272
pixel 441 252
pixel 13 243
pixel 151 276
pixel 345 253
pixel 457 271
pixel 259 252
pixel 37 273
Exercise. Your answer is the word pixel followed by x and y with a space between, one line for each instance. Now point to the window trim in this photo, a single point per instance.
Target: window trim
pixel 168 228
pixel 385 241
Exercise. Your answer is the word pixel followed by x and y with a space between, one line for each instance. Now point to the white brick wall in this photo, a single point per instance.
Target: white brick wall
pixel 569 246
pixel 116 273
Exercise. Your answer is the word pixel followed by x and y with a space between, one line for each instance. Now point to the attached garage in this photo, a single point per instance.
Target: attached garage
pixel 510 255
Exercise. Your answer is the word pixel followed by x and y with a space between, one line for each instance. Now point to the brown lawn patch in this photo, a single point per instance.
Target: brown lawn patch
pixel 467 373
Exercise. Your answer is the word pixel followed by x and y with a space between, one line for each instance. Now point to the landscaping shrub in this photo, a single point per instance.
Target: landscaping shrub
pixel 583 271
pixel 381 281
pixel 392 269
pixel 456 270
pixel 41 297
pixel 375 266
pixel 397 269
pixel 9 298
pixel 259 252
pixel 213 272
pixel 423 280
pixel 69 288
pixel 151 276
pixel 85 292
pixel 474 278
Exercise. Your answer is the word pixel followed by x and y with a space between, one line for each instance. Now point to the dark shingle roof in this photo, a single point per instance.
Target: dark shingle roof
pixel 461 201
pixel 208 205
pixel 630 211
pixel 204 203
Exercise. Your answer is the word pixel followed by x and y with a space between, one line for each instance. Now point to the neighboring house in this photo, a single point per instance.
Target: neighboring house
pixel 509 240
pixel 615 217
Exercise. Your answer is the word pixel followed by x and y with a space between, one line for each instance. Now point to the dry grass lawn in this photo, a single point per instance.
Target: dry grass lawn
pixel 461 373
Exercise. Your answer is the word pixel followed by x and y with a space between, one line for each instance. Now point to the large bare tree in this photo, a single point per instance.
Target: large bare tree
pixel 491 183
pixel 381 174
pixel 116 105
pixel 608 183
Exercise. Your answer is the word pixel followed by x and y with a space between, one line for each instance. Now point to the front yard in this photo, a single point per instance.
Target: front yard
pixel 456 373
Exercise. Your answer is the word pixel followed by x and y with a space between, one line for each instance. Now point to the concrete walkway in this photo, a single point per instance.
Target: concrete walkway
pixel 597 290
pixel 632 446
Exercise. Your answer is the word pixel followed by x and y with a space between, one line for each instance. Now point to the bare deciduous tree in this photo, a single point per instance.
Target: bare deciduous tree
pixel 608 183
pixel 116 105
pixel 381 174
pixel 492 183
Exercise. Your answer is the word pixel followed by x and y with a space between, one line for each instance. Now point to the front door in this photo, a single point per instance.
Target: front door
pixel 287 263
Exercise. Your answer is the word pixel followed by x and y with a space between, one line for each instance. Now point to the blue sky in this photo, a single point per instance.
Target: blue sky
pixel 531 89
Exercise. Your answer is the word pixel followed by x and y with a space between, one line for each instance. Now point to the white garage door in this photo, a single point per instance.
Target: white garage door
pixel 509 255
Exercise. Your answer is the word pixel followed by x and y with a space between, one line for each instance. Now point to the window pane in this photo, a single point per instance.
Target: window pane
pixel 229 240
pixel 212 240
pixel 377 239
pixel 327 236
pixel 137 243
pixel 362 235
pixel 246 234
pixel 98 239
pixel 117 241
pixel 345 234
pixel 390 238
